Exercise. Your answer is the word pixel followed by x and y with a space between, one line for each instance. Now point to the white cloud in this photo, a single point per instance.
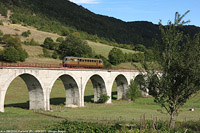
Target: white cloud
pixel 85 1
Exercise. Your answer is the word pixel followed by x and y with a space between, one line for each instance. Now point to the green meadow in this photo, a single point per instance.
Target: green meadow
pixel 18 117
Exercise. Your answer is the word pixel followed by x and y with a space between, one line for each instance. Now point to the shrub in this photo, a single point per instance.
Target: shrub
pixel 106 63
pixel 60 39
pixel 140 47
pixel 10 54
pixel 22 55
pixel 46 53
pixel 81 127
pixel 103 98
pixel 49 43
pixel 31 42
pixel 26 33
pixel 55 55
pixel 12 41
pixel 138 57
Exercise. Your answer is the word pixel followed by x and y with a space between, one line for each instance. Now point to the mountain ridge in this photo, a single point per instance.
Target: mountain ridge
pixel 73 15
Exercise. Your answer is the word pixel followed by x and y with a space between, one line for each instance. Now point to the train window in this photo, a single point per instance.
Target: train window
pixel 75 59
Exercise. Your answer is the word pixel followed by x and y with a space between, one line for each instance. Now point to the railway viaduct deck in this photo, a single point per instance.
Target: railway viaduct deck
pixel 40 81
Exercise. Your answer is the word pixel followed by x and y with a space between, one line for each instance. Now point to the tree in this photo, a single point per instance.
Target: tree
pixel 49 43
pixel 12 41
pixel 149 55
pixel 60 39
pixel 75 46
pixel 106 63
pixel 134 91
pixel 116 56
pixel 178 58
pixel 140 47
pixel 138 57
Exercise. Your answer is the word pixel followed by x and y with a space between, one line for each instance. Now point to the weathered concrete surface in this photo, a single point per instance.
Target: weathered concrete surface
pixel 41 80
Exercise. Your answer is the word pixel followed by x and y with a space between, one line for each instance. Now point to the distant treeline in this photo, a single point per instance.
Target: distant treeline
pixel 64 17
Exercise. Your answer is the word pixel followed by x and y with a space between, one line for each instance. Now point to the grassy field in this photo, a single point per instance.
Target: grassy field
pixel 17 115
pixel 103 49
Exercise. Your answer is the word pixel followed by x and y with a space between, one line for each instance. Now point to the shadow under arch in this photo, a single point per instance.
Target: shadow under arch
pixel 71 91
pixel 122 86
pixel 36 95
pixel 98 86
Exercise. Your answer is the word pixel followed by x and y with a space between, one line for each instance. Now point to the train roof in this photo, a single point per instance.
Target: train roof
pixel 82 58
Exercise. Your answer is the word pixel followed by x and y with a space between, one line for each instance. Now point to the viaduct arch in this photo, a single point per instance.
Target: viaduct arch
pixel 41 80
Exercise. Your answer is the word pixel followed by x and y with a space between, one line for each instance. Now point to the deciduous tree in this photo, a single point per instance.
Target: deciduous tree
pixel 179 58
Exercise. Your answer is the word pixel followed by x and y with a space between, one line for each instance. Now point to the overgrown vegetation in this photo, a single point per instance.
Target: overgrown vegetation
pixel 147 126
pixel 78 126
pixel 26 33
pixel 103 98
pixel 13 51
pixel 31 42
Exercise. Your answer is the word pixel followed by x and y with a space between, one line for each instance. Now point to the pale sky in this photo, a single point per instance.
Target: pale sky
pixel 144 10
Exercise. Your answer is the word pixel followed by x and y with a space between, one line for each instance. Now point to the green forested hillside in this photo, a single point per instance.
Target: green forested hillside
pixel 63 16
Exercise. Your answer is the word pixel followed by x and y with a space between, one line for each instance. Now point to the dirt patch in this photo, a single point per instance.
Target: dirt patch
pixel 33 51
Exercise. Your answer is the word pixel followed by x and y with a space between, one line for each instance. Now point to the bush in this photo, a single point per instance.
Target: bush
pixel 138 57
pixel 134 91
pixel 31 42
pixel 12 41
pixel 140 48
pixel 103 98
pixel 55 55
pixel 46 53
pixel 22 55
pixel 106 63
pixel 10 54
pixel 81 127
pixel 49 43
pixel 26 33
pixel 60 39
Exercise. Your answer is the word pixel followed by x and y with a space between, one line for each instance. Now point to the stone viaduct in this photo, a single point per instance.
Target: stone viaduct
pixel 41 80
